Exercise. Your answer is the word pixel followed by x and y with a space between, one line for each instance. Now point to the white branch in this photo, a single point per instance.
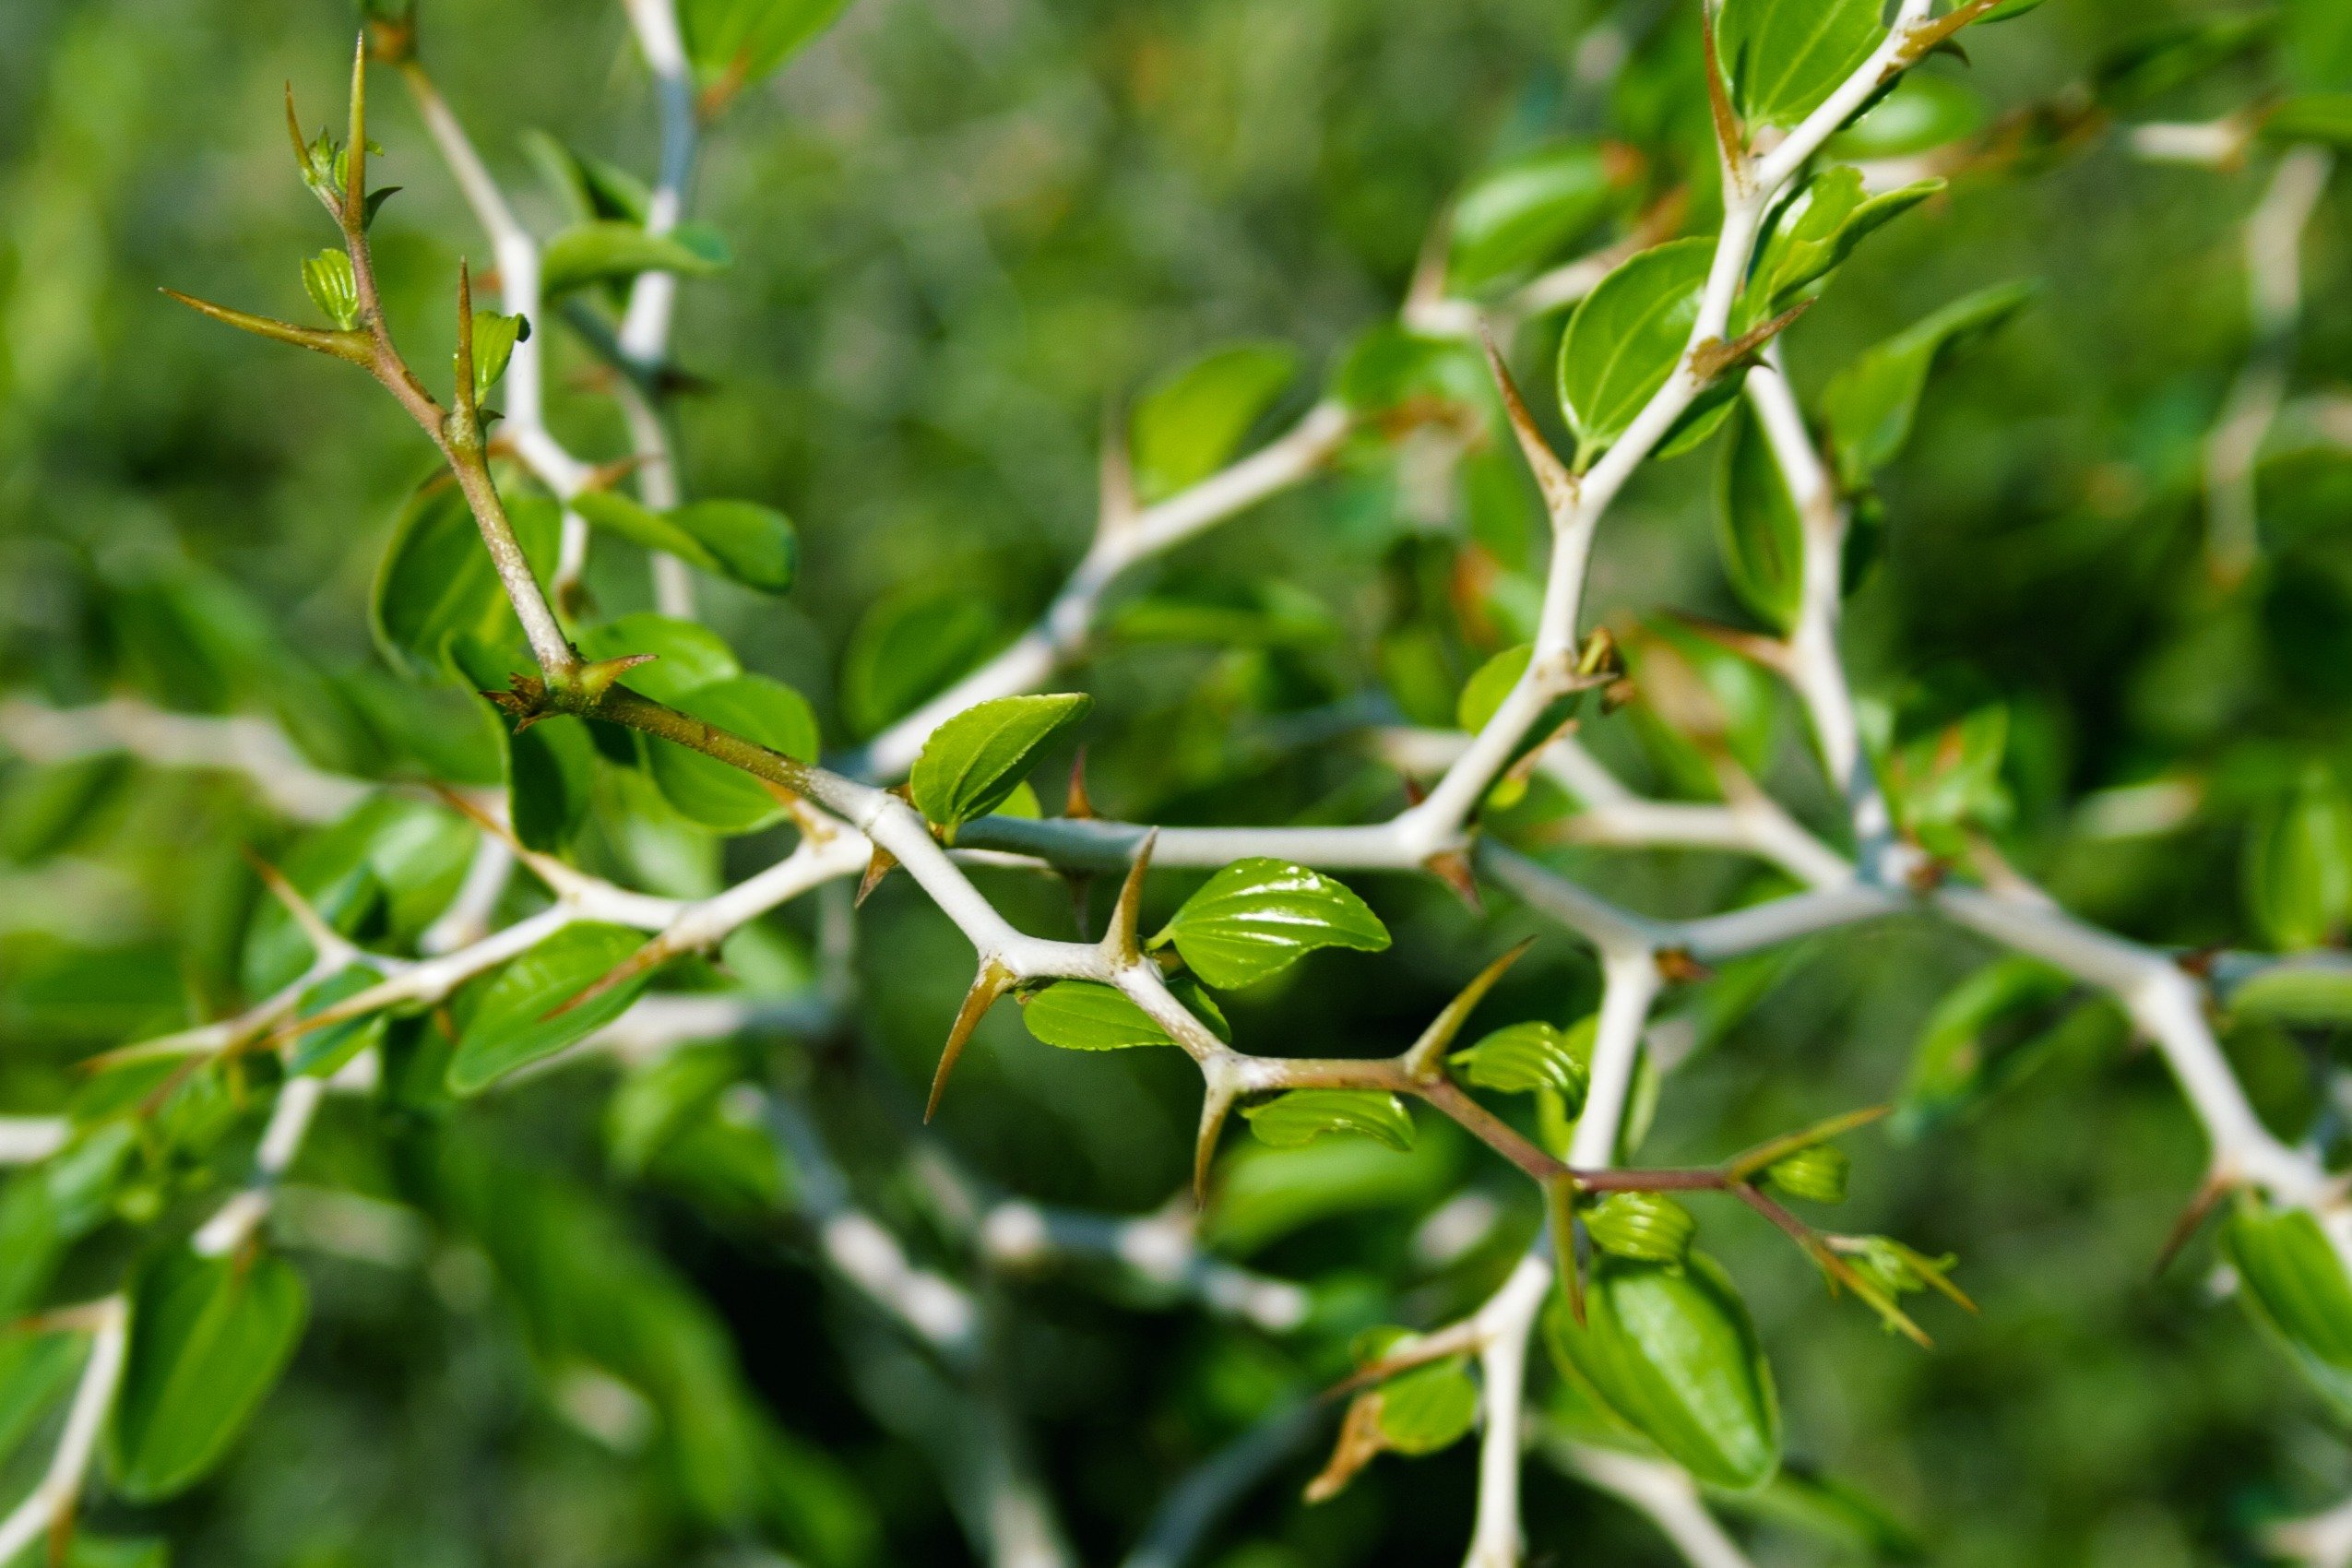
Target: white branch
pixel 53 1499
pixel 1662 1491
pixel 253 748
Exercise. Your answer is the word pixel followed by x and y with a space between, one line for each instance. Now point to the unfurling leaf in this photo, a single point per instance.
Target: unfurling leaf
pixel 494 340
pixel 1258 916
pixel 328 279
pixel 1818 1174
pixel 1303 1115
pixel 718 794
pixel 1813 233
pixel 1527 1059
pixel 1869 405
pixel 1190 422
pixel 1759 532
pixel 1089 1016
pixel 1625 341
pixel 975 760
pixel 1648 1227
pixel 1887 1271
pixel 209 1338
pixel 1671 1351
pixel 1785 58
pixel 518 1015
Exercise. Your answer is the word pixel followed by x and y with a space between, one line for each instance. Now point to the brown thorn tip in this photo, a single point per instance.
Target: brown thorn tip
pixel 1451 867
pixel 993 981
pixel 1217 1104
pixel 1077 803
pixel 1124 936
pixel 880 863
pixel 2192 1220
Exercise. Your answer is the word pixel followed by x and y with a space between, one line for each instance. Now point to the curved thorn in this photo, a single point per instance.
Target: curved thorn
pixel 993 981
pixel 1552 476
pixel 1121 942
pixel 880 863
pixel 1216 1103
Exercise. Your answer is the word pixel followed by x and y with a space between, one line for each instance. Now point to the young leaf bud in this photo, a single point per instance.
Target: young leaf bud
pixel 1649 1227
pixel 327 278
pixel 1817 1174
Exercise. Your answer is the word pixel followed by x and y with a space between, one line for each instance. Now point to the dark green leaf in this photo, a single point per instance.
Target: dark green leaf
pixel 755 545
pixel 712 792
pixel 1303 1115
pixel 1088 1015
pixel 504 1018
pixel 909 647
pixel 550 773
pixel 975 760
pixel 389 868
pixel 1976 1040
pixel 2298 862
pixel 1261 615
pixel 1190 422
pixel 1785 58
pixel 1389 370
pixel 1759 532
pixel 436 583
pixel 1258 916
pixel 209 1338
pixel 35 1372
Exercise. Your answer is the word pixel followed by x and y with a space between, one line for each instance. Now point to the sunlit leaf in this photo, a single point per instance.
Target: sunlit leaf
pixel 1256 917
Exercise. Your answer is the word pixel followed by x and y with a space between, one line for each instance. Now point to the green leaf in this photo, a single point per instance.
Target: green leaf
pixel 2294 993
pixel 435 582
pixel 2298 862
pixel 550 771
pixel 508 1019
pixel 1978 1041
pixel 1258 614
pixel 1625 341
pixel 328 280
pixel 1669 1349
pixel 1870 404
pixel 1190 422
pixel 2171 55
pixel 1522 213
pixel 754 545
pixel 1813 233
pixel 1525 1059
pixel 911 645
pixel 975 760
pixel 1759 532
pixel 1303 1115
pixel 1949 779
pixel 1390 371
pixel 209 1338
pixel 1483 692
pixel 687 654
pixel 322 1052
pixel 391 866
pixel 590 187
pixel 1089 1016
pixel 1922 112
pixel 2316 39
pixel 1258 916
pixel 607 251
pixel 741 41
pixel 655 1104
pixel 35 1372
pixel 2294 1283
pixel 494 340
pixel 712 792
pixel 2321 118
pixel 1785 58
pixel 1429 1407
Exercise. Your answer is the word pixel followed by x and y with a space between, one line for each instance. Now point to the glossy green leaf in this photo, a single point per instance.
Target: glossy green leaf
pixel 1483 692
pixel 209 1338
pixel 1670 1350
pixel 508 1018
pixel 1922 112
pixel 1759 533
pixel 974 761
pixel 911 645
pixel 1526 1058
pixel 1429 1407
pixel 714 793
pixel 1814 231
pixel 1303 1115
pixel 2298 862
pixel 1258 916
pixel 1870 404
pixel 435 582
pixel 741 41
pixel 1625 341
pixel 1524 212
pixel 2291 1279
pixel 687 654
pixel 1786 57
pixel 607 251
pixel 1190 422
pixel 1088 1015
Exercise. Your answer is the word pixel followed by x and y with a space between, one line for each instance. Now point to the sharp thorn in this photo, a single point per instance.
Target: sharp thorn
pixel 993 981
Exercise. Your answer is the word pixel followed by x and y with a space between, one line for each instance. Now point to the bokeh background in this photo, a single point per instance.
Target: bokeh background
pixel 962 232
